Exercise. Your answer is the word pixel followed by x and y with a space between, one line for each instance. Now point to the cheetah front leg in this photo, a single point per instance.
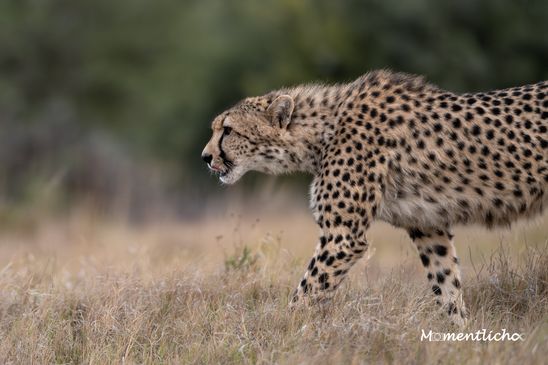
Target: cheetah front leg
pixel 438 255
pixel 335 254
pixel 343 222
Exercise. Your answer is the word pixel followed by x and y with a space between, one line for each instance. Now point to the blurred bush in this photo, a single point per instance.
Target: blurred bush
pixel 119 82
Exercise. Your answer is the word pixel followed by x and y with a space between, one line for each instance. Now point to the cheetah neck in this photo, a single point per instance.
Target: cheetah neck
pixel 312 124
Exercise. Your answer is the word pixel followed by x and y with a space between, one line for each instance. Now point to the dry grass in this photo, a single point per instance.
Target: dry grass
pixel 88 291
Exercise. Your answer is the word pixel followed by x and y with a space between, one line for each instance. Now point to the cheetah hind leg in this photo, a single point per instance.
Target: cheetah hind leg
pixel 438 256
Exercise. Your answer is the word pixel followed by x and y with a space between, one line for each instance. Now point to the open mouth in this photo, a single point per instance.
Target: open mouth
pixel 220 172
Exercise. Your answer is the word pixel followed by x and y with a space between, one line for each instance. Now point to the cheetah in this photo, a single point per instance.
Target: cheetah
pixel 393 147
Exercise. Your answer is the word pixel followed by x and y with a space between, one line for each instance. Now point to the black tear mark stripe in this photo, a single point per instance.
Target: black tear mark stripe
pixel 222 154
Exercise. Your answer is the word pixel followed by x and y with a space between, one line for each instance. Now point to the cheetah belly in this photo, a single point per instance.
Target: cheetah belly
pixel 413 212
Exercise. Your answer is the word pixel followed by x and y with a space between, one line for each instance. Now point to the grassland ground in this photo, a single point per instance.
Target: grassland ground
pixel 89 290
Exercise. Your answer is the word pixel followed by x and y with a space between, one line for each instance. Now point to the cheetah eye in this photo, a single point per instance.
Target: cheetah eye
pixel 226 131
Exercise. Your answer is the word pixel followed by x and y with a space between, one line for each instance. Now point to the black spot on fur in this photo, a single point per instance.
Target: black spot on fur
pixel 425 260
pixel 440 250
pixel 415 233
pixel 440 277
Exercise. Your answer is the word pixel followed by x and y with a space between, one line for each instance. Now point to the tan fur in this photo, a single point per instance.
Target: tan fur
pixel 390 146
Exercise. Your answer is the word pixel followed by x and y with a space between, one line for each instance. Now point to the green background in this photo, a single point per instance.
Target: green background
pixel 98 97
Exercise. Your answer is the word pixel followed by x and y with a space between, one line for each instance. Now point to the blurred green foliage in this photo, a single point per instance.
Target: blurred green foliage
pixel 153 73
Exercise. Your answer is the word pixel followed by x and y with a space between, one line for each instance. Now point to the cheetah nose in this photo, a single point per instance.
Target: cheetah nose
pixel 207 158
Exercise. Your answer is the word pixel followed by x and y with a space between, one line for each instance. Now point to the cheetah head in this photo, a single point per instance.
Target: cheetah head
pixel 248 137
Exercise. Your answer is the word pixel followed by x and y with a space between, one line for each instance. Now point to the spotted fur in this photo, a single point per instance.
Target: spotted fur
pixel 393 147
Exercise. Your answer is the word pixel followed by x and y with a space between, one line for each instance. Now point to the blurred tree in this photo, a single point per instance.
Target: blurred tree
pixel 154 73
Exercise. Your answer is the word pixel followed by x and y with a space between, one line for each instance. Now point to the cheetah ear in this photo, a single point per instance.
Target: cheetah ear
pixel 280 111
